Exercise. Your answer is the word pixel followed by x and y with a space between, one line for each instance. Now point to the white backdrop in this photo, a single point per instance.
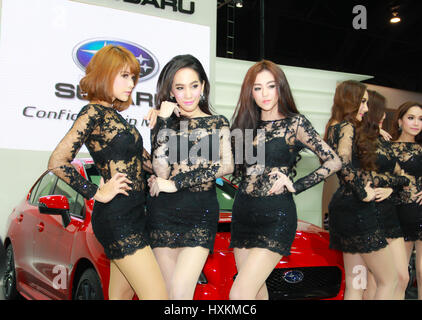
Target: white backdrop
pixel 39 75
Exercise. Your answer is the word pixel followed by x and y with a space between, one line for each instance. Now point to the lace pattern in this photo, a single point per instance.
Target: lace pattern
pixel 114 145
pixel 284 140
pixel 192 152
pixel 409 157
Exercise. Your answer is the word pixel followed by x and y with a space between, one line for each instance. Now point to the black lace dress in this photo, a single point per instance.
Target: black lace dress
pixel 387 175
pixel 410 213
pixel 193 152
pixel 355 226
pixel 115 146
pixel 267 221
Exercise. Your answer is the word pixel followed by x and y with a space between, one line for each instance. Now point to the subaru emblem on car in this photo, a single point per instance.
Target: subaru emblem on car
pixel 293 276
pixel 84 51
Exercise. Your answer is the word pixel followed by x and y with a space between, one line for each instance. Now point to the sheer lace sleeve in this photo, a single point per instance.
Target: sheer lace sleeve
pixel 160 138
pixel 61 158
pixel 388 173
pixel 309 138
pixel 353 177
pixel 146 161
pixel 210 170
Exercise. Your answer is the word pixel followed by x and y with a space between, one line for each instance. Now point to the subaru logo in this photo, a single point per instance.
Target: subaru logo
pixel 293 276
pixel 84 51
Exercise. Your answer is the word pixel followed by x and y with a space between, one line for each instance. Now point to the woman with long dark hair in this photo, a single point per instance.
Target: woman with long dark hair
pixel 354 222
pixel 386 173
pixel 264 218
pixel 190 150
pixel 118 217
pixel 407 145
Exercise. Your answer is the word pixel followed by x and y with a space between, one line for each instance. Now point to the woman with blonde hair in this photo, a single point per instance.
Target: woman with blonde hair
pixel 118 217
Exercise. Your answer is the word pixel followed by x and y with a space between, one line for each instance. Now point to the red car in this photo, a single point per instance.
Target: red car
pixel 52 253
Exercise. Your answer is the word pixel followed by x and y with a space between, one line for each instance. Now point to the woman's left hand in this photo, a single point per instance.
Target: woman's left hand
pixel 151 116
pixel 385 135
pixel 419 198
pixel 382 193
pixel 157 185
pixel 281 183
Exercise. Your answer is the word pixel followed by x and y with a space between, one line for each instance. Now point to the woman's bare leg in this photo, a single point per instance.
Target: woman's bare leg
pixel 190 262
pixel 418 245
pixel 381 264
pixel 119 288
pixel 398 249
pixel 254 270
pixel 356 276
pixel 166 258
pixel 240 255
pixel 143 274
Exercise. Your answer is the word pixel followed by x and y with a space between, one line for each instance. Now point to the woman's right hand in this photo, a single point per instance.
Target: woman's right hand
pixel 119 183
pixel 370 193
pixel 167 108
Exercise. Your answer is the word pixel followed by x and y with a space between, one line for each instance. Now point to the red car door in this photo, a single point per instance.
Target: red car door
pixel 53 246
pixel 22 232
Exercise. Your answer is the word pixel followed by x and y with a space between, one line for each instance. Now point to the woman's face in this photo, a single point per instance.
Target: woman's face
pixel 187 89
pixel 363 108
pixel 265 92
pixel 123 84
pixel 411 122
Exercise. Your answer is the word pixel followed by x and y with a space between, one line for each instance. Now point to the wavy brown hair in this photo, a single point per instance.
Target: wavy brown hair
pixel 399 114
pixel 101 72
pixel 248 113
pixel 368 132
pixel 347 100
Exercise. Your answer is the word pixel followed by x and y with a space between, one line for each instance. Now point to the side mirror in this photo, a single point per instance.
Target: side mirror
pixel 57 205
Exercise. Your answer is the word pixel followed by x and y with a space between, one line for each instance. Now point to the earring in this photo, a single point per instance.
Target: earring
pixel 202 98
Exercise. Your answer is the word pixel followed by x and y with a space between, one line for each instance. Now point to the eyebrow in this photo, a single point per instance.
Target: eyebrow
pixel 259 84
pixel 182 84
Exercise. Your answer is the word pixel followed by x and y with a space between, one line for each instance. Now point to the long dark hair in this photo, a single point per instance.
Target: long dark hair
pixel 248 113
pixel 400 112
pixel 165 80
pixel 368 132
pixel 347 100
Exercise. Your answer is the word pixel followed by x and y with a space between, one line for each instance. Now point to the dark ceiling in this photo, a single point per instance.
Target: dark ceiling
pixel 319 34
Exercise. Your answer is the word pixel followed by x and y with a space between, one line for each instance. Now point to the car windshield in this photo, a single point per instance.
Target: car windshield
pixel 225 194
pixel 93 174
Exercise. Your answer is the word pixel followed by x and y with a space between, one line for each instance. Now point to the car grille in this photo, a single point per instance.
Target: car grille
pixel 317 283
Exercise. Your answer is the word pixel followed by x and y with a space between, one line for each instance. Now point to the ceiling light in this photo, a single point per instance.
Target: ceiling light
pixel 239 3
pixel 395 18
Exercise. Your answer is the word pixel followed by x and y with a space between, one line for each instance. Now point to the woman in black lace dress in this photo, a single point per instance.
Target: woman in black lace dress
pixel 407 145
pixel 118 217
pixel 387 174
pixel 190 150
pixel 354 221
pixel 264 216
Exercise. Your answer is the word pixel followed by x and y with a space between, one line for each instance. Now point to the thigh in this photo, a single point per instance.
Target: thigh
pixel 418 261
pixel 143 273
pixel 190 261
pixel 381 263
pixel 240 255
pixel 399 252
pixel 119 287
pixel 166 258
pixel 255 269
